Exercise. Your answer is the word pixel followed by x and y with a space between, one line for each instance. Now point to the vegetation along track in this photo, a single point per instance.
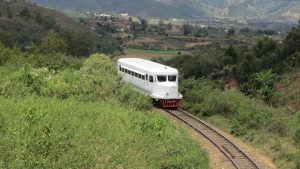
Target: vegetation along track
pixel 238 158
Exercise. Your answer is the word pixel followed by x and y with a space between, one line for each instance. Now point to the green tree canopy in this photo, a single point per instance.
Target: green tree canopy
pixel 53 43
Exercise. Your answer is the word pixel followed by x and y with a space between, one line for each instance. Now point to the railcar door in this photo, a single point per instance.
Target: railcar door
pixel 149 83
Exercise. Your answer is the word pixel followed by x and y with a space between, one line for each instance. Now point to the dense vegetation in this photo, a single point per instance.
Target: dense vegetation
pixel 25 26
pixel 264 107
pixel 274 130
pixel 60 112
pixel 255 68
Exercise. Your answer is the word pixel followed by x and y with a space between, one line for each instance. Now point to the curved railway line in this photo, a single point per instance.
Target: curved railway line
pixel 238 158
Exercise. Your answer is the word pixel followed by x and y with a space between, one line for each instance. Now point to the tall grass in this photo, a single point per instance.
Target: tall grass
pixel 39 132
pixel 79 114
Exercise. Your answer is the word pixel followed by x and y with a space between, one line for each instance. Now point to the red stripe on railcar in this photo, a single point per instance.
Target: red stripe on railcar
pixel 170 103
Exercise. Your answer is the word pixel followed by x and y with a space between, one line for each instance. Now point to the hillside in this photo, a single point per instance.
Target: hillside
pixel 24 25
pixel 281 10
pixel 81 115
pixel 143 8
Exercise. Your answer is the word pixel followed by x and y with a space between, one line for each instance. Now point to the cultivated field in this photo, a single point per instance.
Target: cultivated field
pixel 149 54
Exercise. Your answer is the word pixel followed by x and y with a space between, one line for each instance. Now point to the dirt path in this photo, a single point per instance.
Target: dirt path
pixel 217 159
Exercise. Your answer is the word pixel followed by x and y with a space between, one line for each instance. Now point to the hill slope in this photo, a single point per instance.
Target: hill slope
pixel 76 117
pixel 280 10
pixel 23 24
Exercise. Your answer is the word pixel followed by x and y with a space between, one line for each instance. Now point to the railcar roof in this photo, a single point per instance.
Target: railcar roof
pixel 147 65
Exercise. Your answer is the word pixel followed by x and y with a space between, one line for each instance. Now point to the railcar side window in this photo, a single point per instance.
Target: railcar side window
pixel 143 77
pixel 140 76
pixel 172 78
pixel 146 77
pixel 162 78
pixel 120 68
pixel 150 78
pixel 126 71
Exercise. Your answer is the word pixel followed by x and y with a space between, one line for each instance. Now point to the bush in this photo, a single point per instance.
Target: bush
pixel 25 82
pixel 97 79
pixel 58 62
pixel 3 54
pixel 33 140
pixel 204 99
pixel 128 96
pixel 297 131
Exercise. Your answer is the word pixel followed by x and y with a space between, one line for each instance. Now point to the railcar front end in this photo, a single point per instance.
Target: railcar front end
pixel 165 90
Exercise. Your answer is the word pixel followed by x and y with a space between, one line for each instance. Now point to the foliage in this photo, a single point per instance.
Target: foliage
pixel 230 56
pixel 262 85
pixel 62 77
pixel 136 99
pixel 39 132
pixel 53 31
pixel 260 125
pixel 187 29
pixel 231 32
pixel 53 43
pixel 292 41
pixel 25 13
pixel 57 112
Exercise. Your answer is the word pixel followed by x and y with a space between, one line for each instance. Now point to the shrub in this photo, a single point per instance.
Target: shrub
pixel 297 131
pixel 3 54
pixel 25 82
pixel 58 62
pixel 128 96
pixel 53 43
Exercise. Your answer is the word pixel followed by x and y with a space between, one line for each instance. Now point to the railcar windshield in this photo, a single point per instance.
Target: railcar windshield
pixel 162 78
pixel 172 78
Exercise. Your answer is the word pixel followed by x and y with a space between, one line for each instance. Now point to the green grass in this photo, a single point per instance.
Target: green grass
pixel 39 132
pixel 152 52
pixel 59 112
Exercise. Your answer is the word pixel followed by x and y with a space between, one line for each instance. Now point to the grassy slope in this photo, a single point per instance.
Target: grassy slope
pixel 82 118
pixel 45 132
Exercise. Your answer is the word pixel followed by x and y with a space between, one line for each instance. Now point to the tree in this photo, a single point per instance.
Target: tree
pixel 24 13
pixel 230 56
pixel 144 24
pixel 161 28
pixel 266 84
pixel 231 32
pixel 292 41
pixel 39 18
pixel 248 66
pixel 53 43
pixel 169 26
pixel 9 13
pixel 200 32
pixel 187 29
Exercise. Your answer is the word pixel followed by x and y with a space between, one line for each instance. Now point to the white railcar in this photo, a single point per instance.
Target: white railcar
pixel 158 81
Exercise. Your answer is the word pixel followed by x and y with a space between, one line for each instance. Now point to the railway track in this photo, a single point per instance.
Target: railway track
pixel 237 157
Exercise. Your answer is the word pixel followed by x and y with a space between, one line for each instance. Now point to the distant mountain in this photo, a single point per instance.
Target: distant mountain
pixel 275 10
